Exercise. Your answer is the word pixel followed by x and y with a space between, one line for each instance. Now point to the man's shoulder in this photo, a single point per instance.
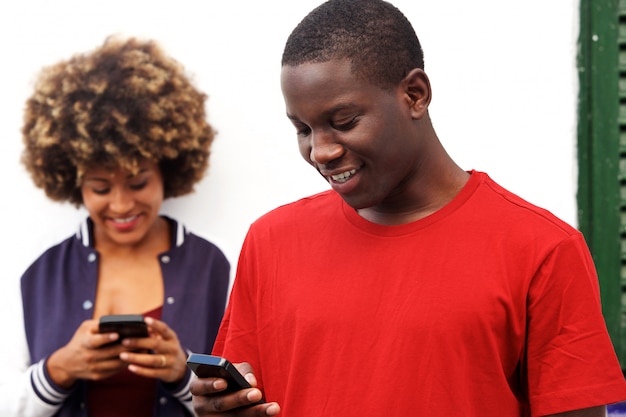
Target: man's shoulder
pixel 321 200
pixel 512 207
pixel 307 209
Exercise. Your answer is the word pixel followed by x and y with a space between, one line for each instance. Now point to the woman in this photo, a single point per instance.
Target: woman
pixel 117 131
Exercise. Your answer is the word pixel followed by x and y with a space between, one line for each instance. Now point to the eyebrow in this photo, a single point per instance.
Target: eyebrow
pixel 335 109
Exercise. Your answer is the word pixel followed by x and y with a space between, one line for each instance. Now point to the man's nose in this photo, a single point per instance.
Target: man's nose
pixel 324 148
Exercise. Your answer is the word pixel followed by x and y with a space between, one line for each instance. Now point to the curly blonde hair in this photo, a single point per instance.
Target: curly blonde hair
pixel 122 103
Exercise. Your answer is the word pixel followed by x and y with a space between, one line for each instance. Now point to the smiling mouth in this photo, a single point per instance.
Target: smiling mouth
pixel 344 176
pixel 125 220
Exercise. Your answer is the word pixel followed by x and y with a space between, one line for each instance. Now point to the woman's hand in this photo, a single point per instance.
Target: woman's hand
pixel 210 401
pixel 86 356
pixel 167 360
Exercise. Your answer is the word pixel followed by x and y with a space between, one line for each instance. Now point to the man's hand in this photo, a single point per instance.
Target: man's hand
pixel 208 399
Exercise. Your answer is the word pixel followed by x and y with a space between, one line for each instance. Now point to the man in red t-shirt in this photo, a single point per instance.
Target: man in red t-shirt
pixel 413 287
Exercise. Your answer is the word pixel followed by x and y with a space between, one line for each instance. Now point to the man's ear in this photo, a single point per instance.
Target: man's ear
pixel 417 92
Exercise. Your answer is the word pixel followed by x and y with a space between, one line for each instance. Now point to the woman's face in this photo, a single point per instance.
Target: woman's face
pixel 124 207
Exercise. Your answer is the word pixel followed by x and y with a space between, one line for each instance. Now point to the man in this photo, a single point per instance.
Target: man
pixel 413 288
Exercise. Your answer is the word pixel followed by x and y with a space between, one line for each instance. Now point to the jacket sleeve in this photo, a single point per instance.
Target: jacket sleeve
pixel 181 391
pixel 24 388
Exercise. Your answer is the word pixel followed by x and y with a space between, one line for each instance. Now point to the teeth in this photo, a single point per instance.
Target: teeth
pixel 343 177
pixel 126 220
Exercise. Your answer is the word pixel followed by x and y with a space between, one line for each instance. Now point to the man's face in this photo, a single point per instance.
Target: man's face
pixel 360 137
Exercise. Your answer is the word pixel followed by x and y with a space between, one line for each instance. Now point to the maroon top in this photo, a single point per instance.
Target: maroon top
pixel 124 394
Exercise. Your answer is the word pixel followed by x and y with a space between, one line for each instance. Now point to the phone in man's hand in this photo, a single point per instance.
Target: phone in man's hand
pixel 209 366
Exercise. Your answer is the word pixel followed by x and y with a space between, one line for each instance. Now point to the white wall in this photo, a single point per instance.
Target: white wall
pixel 503 75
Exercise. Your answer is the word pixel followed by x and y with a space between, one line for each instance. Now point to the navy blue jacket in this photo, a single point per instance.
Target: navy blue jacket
pixel 58 294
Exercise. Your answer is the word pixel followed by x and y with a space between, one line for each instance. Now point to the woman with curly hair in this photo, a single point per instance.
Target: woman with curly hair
pixel 116 130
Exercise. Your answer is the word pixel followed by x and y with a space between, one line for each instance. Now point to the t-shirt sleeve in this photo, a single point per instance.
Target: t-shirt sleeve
pixel 237 338
pixel 571 363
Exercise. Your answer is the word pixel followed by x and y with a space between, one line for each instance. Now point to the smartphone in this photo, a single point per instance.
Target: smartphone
pixel 208 366
pixel 126 325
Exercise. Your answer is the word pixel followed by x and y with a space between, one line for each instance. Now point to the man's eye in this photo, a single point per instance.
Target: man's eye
pixel 303 131
pixel 345 125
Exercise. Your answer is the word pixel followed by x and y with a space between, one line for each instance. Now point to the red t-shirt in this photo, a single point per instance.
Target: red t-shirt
pixel 124 394
pixel 487 308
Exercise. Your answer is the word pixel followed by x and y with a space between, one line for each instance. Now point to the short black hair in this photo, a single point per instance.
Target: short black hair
pixel 373 35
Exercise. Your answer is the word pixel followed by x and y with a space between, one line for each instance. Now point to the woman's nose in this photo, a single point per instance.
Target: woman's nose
pixel 122 201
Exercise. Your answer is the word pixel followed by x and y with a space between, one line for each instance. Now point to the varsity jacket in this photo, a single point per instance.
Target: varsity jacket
pixel 58 293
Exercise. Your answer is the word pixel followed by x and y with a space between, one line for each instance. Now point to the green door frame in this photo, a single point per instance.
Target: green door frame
pixel 602 122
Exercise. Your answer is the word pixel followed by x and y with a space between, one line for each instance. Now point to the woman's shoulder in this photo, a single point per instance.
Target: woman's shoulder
pixel 185 240
pixel 71 249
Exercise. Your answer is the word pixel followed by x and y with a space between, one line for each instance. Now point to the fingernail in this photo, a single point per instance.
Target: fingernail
pixel 254 395
pixel 250 378
pixel 272 410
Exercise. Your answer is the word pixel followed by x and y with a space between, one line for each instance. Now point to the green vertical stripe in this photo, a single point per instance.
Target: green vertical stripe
pixel 601 145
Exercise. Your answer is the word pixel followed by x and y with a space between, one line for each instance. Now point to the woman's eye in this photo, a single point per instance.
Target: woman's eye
pixel 100 191
pixel 138 186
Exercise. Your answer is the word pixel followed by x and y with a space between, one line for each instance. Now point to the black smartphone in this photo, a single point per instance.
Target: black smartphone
pixel 209 366
pixel 126 325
